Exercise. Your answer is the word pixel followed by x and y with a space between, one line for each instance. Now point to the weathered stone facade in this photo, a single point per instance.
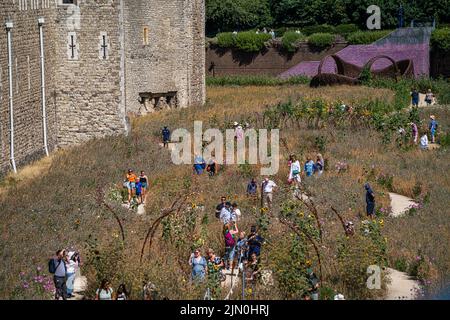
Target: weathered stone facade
pixel 104 59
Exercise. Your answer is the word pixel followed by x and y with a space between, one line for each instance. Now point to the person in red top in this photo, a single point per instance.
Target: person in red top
pixel 131 184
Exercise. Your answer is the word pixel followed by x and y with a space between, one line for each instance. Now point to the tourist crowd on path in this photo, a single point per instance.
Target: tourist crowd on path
pixel 137 186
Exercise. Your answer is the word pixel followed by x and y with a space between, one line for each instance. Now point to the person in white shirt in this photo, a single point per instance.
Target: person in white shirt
pixel 236 212
pixel 424 142
pixel 268 187
pixel 226 214
pixel 71 267
pixel 294 172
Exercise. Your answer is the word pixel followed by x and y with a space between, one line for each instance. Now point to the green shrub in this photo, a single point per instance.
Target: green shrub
pixel 289 40
pixel 226 40
pixel 259 80
pixel 440 39
pixel 321 40
pixel 345 29
pixel 249 41
pixel 323 28
pixel 366 37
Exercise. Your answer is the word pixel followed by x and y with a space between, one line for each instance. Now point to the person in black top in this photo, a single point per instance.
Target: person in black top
pixel 370 201
pixel 166 136
pixel 220 206
pixel 143 179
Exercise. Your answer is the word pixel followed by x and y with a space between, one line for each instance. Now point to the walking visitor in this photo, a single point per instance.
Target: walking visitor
pixel 320 164
pixel 166 137
pixel 433 128
pixel 415 97
pixel 268 187
pixel 57 267
pixel 370 201
pixel 294 172
pixel 219 207
pixel 143 179
pixel 199 265
pixel 105 292
pixel 309 167
pixel 72 265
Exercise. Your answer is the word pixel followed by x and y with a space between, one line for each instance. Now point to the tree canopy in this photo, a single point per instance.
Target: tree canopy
pixel 230 15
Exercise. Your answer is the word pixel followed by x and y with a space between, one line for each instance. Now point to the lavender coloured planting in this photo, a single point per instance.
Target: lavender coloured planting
pixel 402 44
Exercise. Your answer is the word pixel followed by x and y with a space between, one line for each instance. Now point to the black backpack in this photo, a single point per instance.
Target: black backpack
pixel 52 266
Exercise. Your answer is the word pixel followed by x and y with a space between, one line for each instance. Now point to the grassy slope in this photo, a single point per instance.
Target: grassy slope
pixel 59 208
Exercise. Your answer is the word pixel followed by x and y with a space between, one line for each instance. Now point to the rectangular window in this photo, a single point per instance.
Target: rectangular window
pixel 145 39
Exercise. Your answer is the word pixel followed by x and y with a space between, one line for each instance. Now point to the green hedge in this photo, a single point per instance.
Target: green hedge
pixel 323 28
pixel 260 80
pixel 225 40
pixel 321 40
pixel 346 29
pixel 247 41
pixel 366 37
pixel 290 38
pixel 440 39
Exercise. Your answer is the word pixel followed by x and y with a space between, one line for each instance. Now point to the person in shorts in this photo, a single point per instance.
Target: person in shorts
pixel 131 180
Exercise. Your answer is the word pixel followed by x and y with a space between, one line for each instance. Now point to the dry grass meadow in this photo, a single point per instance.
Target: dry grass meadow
pixel 62 203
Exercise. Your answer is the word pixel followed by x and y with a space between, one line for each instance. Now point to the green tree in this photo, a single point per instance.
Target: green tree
pixel 230 15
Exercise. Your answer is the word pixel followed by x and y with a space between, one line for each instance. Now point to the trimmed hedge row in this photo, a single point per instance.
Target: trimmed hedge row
pixel 342 29
pixel 247 41
pixel 321 40
pixel 290 39
pixel 255 81
pixel 366 37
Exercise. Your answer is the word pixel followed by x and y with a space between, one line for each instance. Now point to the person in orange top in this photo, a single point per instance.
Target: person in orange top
pixel 131 179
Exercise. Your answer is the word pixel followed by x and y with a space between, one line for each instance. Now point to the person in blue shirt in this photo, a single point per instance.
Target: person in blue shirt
pixel 433 128
pixel 139 191
pixel 309 167
pixel 252 188
pixel 415 97
pixel 199 164
pixel 166 136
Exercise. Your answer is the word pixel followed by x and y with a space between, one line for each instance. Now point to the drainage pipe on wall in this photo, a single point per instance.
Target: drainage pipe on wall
pixel 9 26
pixel 41 22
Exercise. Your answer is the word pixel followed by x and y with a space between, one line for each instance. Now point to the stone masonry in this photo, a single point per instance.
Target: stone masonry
pixel 104 60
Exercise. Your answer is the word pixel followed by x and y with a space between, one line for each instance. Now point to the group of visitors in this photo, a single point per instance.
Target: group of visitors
pixel 106 292
pixel 310 168
pixel 415 97
pixel 64 266
pixel 246 249
pixel 431 130
pixel 267 186
pixel 200 165
pixel 136 185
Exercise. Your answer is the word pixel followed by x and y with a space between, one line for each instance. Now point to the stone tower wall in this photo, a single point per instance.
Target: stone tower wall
pixel 90 90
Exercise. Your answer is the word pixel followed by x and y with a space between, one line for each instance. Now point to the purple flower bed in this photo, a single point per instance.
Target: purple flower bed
pixel 393 46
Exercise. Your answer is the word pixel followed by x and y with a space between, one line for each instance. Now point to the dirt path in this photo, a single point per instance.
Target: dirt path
pixel 402 287
pixel 79 286
pixel 400 204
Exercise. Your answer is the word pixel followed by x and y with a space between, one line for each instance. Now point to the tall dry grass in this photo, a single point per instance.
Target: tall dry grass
pixel 57 207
